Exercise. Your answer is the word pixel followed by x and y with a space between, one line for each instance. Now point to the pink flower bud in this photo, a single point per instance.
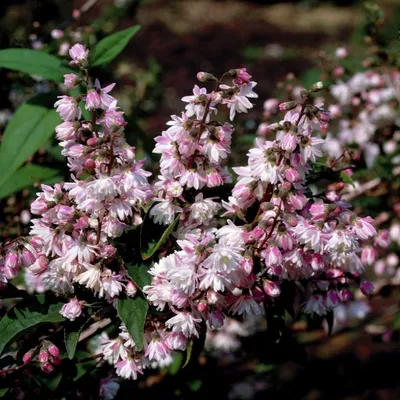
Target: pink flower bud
pixel 76 13
pixel 131 289
pixel 11 260
pixel 89 164
pixel 28 357
pixel 366 288
pixel 346 295
pixel 202 306
pixel 27 258
pixel 288 105
pixel 242 77
pixel 338 71
pixel 47 368
pixel 205 77
pixel 332 299
pixel 271 288
pixel 39 266
pixel 92 142
pixel 56 361
pixel 43 357
pixel 54 350
pixel 317 262
pixel 71 80
pixel 292 175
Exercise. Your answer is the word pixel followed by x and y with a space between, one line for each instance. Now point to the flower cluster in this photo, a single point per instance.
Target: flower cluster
pixel 226 256
pixel 72 240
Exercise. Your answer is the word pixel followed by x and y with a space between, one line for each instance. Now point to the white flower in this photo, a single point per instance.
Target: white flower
pixel 184 322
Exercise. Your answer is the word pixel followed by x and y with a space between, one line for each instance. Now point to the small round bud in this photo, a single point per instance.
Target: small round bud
pixel 89 163
pixel 28 357
pixel 317 87
pixel 287 106
pixel 43 357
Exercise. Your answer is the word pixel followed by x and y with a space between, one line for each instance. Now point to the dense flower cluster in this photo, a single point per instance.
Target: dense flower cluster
pixel 226 257
pixel 71 241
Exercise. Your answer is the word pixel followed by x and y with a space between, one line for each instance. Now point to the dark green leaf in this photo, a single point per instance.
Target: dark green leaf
pixel 72 332
pixel 31 126
pixel 133 314
pixel 26 177
pixel 108 48
pixel 176 364
pixel 155 246
pixel 139 274
pixel 26 314
pixel 34 62
pixel 4 391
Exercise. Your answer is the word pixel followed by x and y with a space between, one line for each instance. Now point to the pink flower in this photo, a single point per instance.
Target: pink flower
pixel 79 54
pixel 363 228
pixel 72 309
pixel 68 108
pixel 369 255
pixel 242 77
pixel 332 299
pixel 66 130
pixel 129 368
pixel 93 100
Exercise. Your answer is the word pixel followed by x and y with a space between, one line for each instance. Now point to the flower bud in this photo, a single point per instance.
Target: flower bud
pixel 131 289
pixel 54 350
pixel 43 357
pixel 47 368
pixel 366 288
pixel 205 77
pixel 271 288
pixel 287 106
pixel 202 306
pixel 317 87
pixel 332 299
pixel 28 356
pixel 346 295
pixel 212 297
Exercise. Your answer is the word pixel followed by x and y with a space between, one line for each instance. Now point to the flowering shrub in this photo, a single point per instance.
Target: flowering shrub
pixel 162 261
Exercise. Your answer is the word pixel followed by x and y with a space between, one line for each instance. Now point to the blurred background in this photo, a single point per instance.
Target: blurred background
pixel 177 39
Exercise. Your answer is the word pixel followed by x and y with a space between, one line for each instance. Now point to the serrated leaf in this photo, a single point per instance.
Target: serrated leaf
pixel 139 274
pixel 28 313
pixel 31 126
pixel 155 246
pixel 34 62
pixel 346 178
pixel 108 48
pixel 132 312
pixel 26 177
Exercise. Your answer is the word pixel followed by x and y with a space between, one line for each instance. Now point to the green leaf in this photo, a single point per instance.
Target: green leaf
pixel 132 312
pixel 26 177
pixel 155 246
pixel 4 391
pixel 72 332
pixel 28 313
pixel 31 126
pixel 139 274
pixel 108 48
pixel 346 178
pixel 189 350
pixel 34 62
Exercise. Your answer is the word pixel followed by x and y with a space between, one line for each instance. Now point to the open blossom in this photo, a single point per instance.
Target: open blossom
pixel 78 53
